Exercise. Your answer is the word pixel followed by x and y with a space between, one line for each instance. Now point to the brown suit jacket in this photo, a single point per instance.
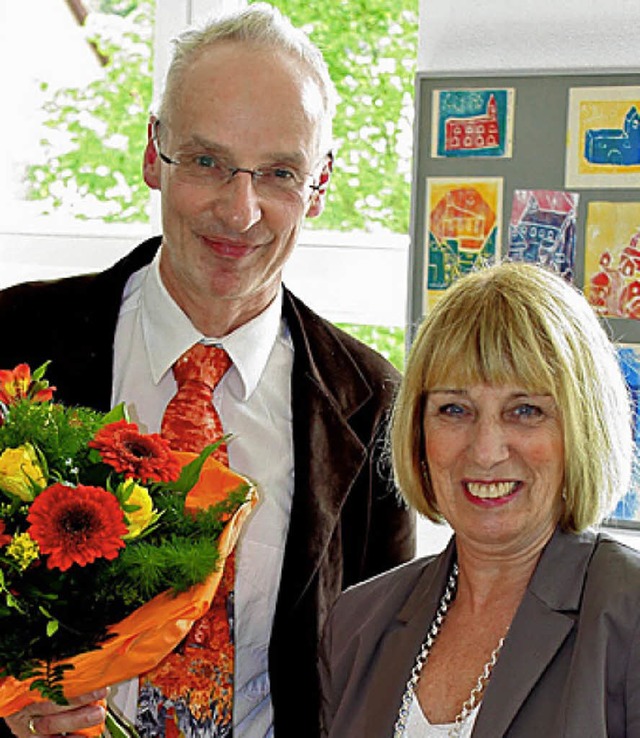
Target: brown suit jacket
pixel 570 666
pixel 346 521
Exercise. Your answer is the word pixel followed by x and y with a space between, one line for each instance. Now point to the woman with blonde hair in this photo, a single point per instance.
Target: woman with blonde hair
pixel 513 425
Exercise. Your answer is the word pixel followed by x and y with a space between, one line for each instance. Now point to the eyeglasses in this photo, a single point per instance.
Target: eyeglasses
pixel 204 170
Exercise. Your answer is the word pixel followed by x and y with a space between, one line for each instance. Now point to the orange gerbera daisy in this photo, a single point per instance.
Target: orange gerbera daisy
pixel 147 457
pixel 76 525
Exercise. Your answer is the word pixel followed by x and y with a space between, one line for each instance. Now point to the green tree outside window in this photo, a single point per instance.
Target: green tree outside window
pixel 96 172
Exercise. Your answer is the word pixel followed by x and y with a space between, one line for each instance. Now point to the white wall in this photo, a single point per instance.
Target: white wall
pixel 321 269
pixel 529 35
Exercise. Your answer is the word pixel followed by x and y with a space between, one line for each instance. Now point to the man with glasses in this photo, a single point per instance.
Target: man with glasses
pixel 240 150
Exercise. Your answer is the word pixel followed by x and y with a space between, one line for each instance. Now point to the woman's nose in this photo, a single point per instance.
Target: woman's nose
pixel 489 444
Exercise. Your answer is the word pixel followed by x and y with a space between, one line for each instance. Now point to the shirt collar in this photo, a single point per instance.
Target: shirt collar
pixel 168 333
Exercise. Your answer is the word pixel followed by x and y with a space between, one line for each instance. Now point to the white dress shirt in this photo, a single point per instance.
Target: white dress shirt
pixel 254 403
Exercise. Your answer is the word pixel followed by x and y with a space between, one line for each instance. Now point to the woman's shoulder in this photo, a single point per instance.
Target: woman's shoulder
pixel 616 560
pixel 613 579
pixel 384 593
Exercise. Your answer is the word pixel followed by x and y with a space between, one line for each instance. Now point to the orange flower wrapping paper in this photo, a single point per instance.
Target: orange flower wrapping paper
pixel 145 637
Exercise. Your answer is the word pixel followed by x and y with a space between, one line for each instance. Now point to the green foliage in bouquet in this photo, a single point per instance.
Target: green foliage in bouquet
pixel 92 526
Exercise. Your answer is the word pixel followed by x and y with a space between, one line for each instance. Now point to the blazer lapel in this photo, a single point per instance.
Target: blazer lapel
pixel 545 618
pixel 400 646
pixel 537 634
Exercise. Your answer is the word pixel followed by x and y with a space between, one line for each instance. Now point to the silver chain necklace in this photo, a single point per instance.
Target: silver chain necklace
pixel 400 728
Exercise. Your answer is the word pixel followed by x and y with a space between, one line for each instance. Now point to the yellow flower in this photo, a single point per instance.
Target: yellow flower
pixel 138 507
pixel 20 470
pixel 23 549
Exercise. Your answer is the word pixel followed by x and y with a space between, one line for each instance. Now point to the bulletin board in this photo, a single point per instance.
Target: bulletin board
pixel 534 167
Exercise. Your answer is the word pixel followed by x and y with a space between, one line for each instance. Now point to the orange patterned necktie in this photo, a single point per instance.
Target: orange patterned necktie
pixel 190 692
pixel 190 420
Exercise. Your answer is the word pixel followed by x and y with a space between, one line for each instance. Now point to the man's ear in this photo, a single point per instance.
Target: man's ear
pixel 151 162
pixel 316 204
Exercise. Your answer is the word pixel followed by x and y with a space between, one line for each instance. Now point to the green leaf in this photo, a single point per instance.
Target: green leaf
pixel 191 472
pixel 40 371
pixel 118 726
pixel 13 602
pixel 119 412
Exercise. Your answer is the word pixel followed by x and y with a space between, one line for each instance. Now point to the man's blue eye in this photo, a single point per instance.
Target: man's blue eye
pixel 279 173
pixel 206 162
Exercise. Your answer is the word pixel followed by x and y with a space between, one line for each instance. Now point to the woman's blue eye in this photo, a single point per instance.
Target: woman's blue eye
pixel 451 409
pixel 528 411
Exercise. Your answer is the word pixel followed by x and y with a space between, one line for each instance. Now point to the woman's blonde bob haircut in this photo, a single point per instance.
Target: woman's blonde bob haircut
pixel 520 324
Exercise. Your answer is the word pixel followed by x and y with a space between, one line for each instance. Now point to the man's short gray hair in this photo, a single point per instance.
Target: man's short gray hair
pixel 259 24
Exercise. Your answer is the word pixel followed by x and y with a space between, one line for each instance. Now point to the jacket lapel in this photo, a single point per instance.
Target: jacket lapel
pixel 544 620
pixel 327 389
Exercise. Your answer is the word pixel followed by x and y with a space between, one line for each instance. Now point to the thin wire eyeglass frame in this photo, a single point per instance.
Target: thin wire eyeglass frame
pixel 255 174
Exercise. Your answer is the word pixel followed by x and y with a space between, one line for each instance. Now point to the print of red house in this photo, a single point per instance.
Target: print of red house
pixel 463 216
pixel 475 132
pixel 615 289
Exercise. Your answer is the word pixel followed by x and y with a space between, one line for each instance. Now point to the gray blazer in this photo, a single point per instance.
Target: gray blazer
pixel 570 666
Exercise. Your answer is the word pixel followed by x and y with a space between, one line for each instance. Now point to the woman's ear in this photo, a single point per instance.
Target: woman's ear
pixel 316 204
pixel 151 162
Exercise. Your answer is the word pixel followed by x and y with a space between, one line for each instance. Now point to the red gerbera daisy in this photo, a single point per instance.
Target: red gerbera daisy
pixel 147 457
pixel 4 539
pixel 76 525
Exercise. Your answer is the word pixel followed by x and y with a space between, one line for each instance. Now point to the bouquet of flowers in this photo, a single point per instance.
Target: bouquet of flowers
pixel 111 544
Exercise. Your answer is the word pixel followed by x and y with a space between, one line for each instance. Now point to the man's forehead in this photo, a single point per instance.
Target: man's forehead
pixel 243 92
pixel 245 65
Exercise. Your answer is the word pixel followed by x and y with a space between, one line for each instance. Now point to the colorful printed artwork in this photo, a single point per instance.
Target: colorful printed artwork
pixel 472 123
pixel 612 258
pixel 464 217
pixel 629 357
pixel 603 137
pixel 542 229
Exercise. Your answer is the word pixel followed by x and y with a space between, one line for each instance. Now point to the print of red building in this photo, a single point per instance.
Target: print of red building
pixel 475 132
pixel 464 217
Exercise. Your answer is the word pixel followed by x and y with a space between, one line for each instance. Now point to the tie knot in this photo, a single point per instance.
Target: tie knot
pixel 202 363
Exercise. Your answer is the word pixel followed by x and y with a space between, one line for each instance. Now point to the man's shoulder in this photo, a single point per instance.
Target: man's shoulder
pixel 33 292
pixel 74 293
pixel 41 306
pixel 47 320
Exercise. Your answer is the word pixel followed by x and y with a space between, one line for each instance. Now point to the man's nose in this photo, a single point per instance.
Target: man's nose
pixel 237 201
